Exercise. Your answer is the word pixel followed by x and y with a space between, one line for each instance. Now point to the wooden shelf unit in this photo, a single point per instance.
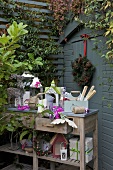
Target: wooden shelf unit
pixel 86 123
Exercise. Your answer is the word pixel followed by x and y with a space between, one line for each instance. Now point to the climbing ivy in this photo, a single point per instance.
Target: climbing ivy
pixel 99 14
pixel 64 11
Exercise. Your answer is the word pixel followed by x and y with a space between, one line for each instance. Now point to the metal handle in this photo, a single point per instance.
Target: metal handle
pixel 75 91
pixel 48 125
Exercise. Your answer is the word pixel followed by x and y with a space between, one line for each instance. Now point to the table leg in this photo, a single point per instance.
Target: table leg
pixel 35 158
pixel 35 161
pixel 82 144
pixel 52 166
pixel 95 144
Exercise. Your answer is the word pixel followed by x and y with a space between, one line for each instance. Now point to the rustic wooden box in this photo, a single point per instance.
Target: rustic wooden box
pixel 89 124
pixel 68 105
pixel 44 124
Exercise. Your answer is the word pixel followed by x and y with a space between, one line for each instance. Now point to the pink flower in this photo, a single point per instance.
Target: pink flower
pixel 37 84
pixel 56 110
pixel 23 107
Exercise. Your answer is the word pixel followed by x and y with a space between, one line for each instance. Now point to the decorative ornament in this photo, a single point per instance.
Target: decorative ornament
pixel 56 91
pixel 82 70
pixel 42 145
pixel 36 83
pixel 63 152
pixel 55 144
pixel 27 75
pixel 27 145
pixel 86 110
pixel 40 152
pixel 70 123
pixel 85 37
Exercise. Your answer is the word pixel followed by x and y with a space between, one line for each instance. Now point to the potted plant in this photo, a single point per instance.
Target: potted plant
pixel 18 125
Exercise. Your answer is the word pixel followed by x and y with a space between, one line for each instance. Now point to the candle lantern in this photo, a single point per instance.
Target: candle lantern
pixel 63 152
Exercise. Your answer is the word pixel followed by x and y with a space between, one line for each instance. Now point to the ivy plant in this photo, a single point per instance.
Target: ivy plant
pixel 99 16
pixel 65 11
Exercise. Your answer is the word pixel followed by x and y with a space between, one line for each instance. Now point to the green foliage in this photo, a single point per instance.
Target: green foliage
pixel 18 123
pixel 8 62
pixel 24 133
pixel 8 45
pixel 45 111
pixel 99 15
pixel 64 11
pixel 31 43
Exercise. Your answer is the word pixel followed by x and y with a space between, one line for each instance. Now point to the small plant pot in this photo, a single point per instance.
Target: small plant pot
pixel 29 150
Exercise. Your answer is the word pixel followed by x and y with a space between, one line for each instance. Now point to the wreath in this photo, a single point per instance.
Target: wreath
pixel 37 142
pixel 82 70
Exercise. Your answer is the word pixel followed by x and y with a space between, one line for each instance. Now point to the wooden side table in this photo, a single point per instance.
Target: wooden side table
pixel 86 122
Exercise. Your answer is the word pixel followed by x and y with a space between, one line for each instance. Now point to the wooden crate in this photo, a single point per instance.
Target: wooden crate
pixel 44 124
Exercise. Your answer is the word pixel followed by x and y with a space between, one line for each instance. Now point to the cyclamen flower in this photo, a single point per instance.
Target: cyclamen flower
pixel 56 110
pixel 37 84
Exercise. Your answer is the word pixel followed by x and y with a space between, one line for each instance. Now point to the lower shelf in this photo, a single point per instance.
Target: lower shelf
pixel 5 148
pixel 68 161
pixel 21 167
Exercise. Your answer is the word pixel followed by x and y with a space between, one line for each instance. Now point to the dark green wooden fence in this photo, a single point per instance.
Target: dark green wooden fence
pixel 40 6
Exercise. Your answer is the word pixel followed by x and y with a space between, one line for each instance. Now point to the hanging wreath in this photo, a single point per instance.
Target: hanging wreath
pixel 82 70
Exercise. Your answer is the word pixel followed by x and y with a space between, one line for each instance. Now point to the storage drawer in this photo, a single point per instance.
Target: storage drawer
pixel 44 124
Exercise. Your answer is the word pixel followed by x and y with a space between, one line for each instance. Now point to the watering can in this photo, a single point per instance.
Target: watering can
pixel 49 101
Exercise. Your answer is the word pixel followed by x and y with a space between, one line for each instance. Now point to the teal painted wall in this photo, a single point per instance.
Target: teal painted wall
pixel 104 96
